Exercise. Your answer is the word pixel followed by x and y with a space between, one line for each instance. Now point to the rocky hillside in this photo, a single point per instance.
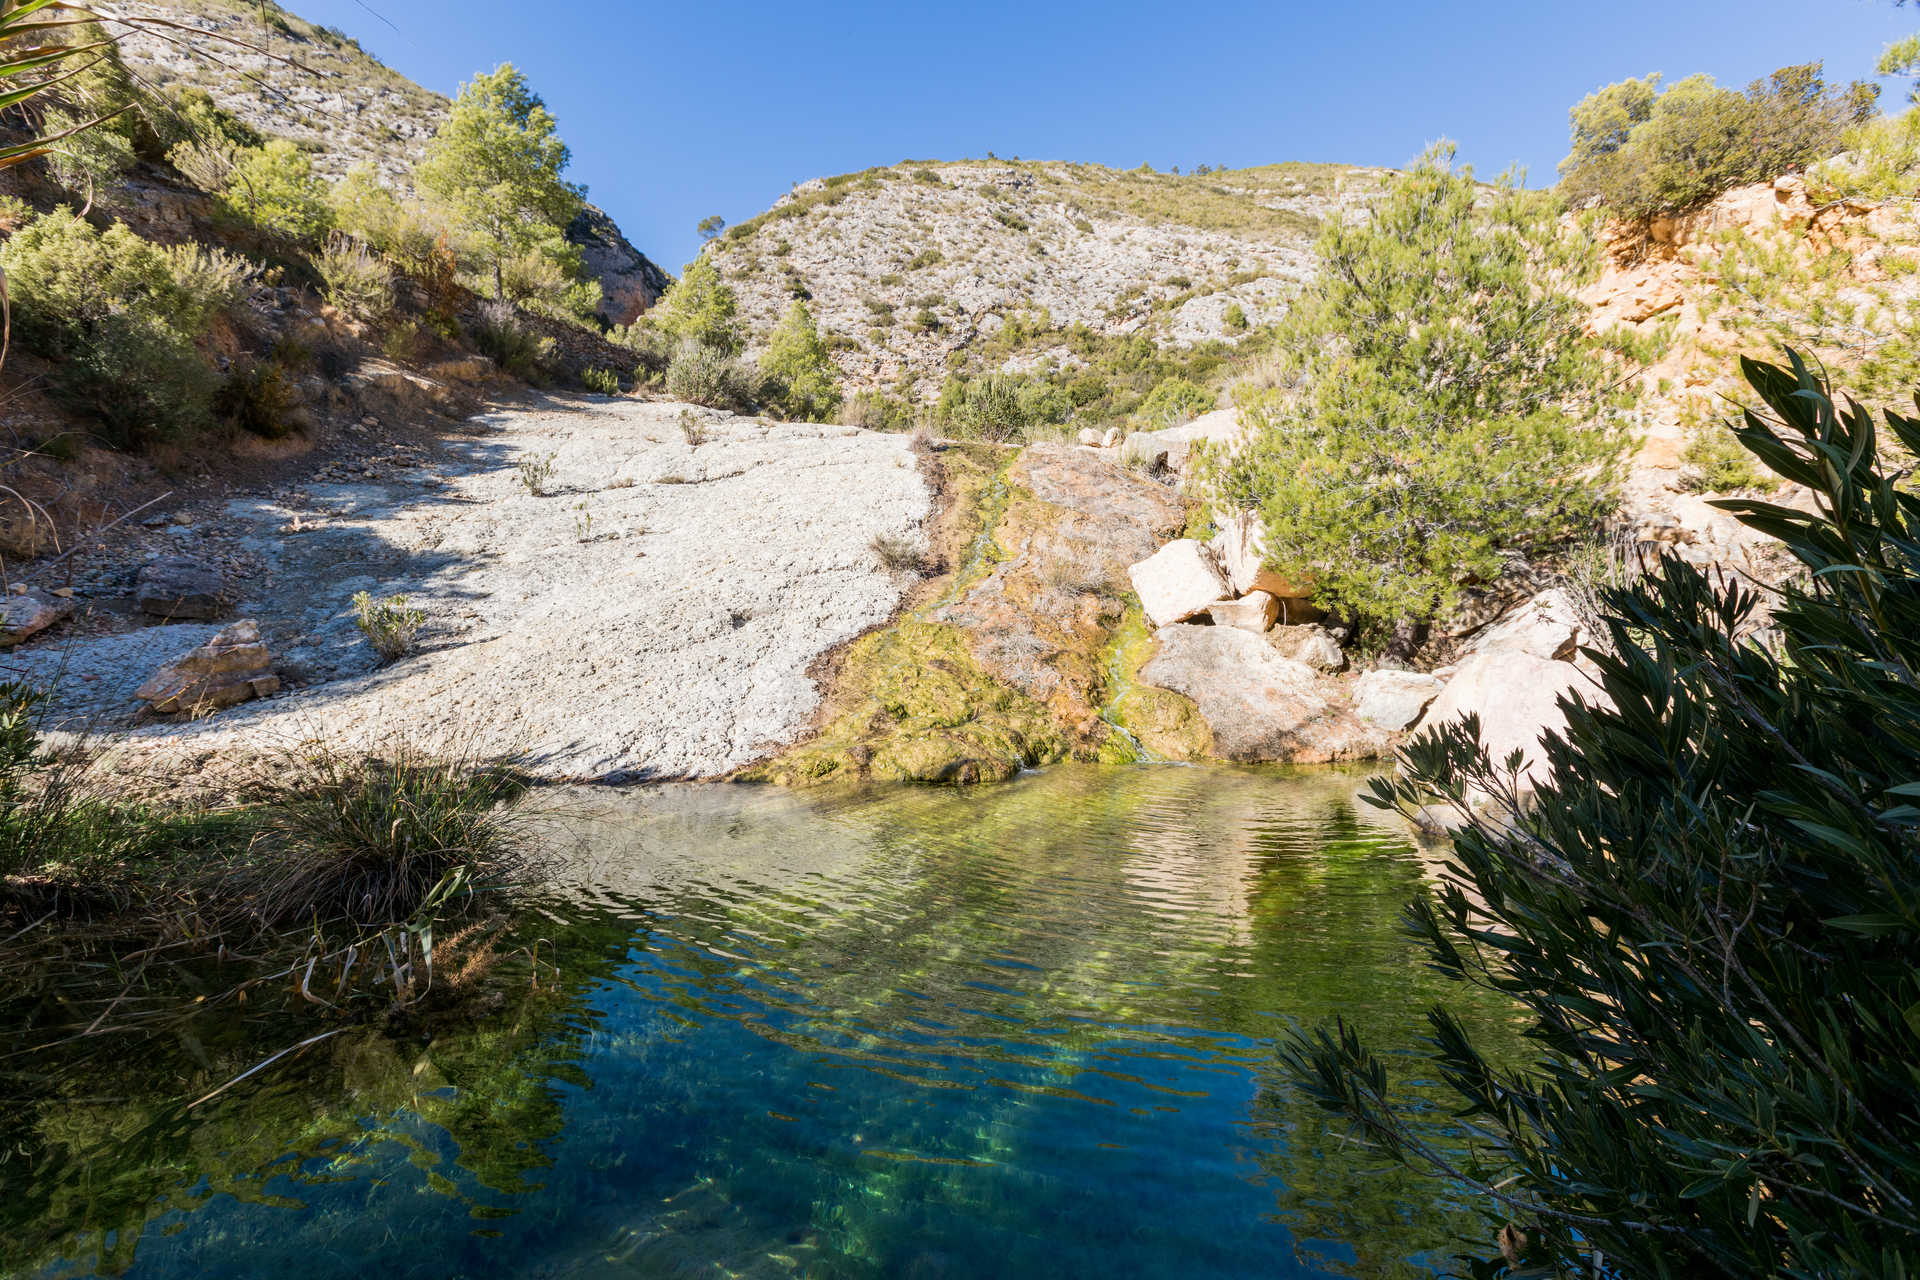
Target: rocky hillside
pixel 913 269
pixel 317 86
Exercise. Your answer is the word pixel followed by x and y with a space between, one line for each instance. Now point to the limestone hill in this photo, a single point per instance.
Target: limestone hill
pixel 921 269
pixel 317 86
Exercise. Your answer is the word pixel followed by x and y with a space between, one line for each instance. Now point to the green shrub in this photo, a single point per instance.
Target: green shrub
pixel 800 379
pixel 923 259
pixel 258 397
pixel 1001 407
pixel 353 279
pixel 391 625
pixel 374 841
pixel 1715 460
pixel 275 188
pixel 1881 161
pixel 604 381
pixel 701 374
pixel 503 335
pixel 700 307
pixel 1443 385
pixel 122 315
pixel 1708 916
pixel 1235 318
pixel 1639 150
pixel 877 411
pixel 1172 402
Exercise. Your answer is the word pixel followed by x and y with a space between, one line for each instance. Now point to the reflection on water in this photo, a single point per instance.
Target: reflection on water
pixel 1015 1031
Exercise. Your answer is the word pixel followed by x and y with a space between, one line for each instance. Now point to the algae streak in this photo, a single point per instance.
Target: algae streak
pixel 1011 660
pixel 1166 725
pixel 918 708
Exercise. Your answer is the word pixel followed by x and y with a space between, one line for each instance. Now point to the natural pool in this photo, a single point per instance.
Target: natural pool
pixel 1017 1031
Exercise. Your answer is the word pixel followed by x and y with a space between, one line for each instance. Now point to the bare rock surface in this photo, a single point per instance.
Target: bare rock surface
pixel 655 615
pixel 1261 706
pixel 230 668
pixel 1241 548
pixel 175 587
pixel 1547 626
pixel 26 614
pixel 1516 695
pixel 1393 700
pixel 1177 582
pixel 1040 617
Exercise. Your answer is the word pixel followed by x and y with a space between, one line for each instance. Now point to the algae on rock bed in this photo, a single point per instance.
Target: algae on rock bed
pixel 916 707
pixel 1010 664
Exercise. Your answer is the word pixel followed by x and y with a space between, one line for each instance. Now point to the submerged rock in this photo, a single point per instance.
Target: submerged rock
pixel 1260 706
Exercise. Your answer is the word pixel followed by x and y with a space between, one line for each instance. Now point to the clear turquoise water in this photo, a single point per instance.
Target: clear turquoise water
pixel 1022 1031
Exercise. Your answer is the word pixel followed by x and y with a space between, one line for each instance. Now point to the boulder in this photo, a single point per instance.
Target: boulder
pixel 1392 700
pixel 1516 695
pixel 1255 612
pixel 178 587
pixel 1172 448
pixel 1177 581
pixel 1260 706
pixel 1544 627
pixel 24 614
pixel 1313 646
pixel 1111 440
pixel 231 668
pixel 1241 546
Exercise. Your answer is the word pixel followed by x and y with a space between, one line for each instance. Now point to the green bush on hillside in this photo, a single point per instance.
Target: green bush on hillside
pixel 709 375
pixel 1639 149
pixel 1880 161
pixel 1441 384
pixel 701 308
pixel 121 316
pixel 495 168
pixel 800 379
pixel 275 188
pixel 1710 915
pixel 1172 402
pixel 1001 407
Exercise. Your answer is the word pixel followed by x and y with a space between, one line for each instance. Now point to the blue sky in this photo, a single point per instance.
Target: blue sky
pixel 678 111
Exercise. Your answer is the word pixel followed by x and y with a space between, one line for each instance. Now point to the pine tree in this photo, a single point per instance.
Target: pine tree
pixel 495 166
pixel 1436 413
pixel 797 366
pixel 1709 918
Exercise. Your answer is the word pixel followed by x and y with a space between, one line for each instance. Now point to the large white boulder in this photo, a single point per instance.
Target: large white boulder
pixel 1392 700
pixel 1241 547
pixel 1546 626
pixel 1260 705
pixel 1177 581
pixel 1517 696
pixel 1172 448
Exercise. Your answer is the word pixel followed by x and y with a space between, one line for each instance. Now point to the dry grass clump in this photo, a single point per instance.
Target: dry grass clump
pixel 368 840
pixel 897 554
